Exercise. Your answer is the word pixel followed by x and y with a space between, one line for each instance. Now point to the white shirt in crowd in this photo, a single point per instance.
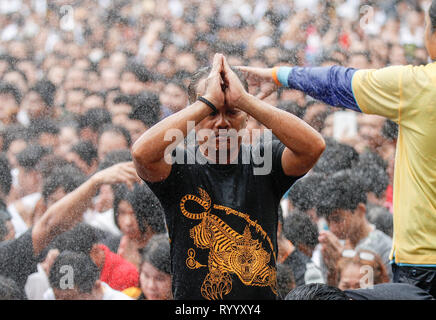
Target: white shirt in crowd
pixel 108 294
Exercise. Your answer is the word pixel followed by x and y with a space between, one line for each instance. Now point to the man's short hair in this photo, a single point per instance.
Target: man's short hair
pixel 114 157
pixel 316 291
pixel 86 151
pixel 390 130
pixel 109 127
pixel 203 73
pixel 373 179
pixel 157 253
pixel 285 279
pixel 13 132
pixel 139 70
pixel 5 175
pixel 68 177
pixel 300 229
pixel 9 289
pixel 86 273
pixel 9 88
pixel 146 108
pixel 31 156
pixel 145 204
pixel 304 193
pixel 382 219
pixel 81 238
pixel 46 90
pixel 337 156
pixel 50 163
pixel 44 125
pixel 95 118
pixel 340 191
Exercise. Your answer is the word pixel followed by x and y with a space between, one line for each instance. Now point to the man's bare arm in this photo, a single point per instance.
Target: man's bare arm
pixel 68 211
pixel 149 150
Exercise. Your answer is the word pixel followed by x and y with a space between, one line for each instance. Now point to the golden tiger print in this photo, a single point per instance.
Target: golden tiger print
pixel 230 252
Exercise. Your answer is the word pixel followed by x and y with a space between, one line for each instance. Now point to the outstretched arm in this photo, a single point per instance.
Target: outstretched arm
pixel 68 211
pixel 304 145
pixel 332 85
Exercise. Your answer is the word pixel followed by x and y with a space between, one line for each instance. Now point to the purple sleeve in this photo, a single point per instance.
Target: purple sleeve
pixel 332 85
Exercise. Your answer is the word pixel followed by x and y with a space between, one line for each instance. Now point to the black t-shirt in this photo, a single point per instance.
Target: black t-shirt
pixel 389 291
pixel 222 223
pixel 17 259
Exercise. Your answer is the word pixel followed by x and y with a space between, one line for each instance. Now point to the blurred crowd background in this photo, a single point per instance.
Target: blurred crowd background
pixel 80 81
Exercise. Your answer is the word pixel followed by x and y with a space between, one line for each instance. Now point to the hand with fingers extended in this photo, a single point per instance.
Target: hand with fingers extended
pixel 214 82
pixel 123 172
pixel 263 78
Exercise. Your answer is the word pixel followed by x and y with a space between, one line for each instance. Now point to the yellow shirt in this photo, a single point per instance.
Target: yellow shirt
pixel 407 95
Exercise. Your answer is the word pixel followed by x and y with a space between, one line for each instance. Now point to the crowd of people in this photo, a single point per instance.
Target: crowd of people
pixel 81 81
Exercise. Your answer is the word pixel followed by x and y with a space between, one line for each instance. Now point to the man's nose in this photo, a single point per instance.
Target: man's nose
pixel 222 122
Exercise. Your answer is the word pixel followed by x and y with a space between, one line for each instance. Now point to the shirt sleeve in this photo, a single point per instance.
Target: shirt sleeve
pixel 280 180
pixel 332 85
pixel 380 91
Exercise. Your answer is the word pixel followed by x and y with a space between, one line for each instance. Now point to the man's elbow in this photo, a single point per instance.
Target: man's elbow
pixel 138 154
pixel 135 152
pixel 320 146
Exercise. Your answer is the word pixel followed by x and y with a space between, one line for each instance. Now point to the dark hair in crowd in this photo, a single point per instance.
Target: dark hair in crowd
pixel 316 291
pixel 390 130
pixel 95 119
pixel 369 158
pixel 86 273
pixel 116 129
pixel 46 90
pixel 145 204
pixel 81 238
pixel 13 132
pixel 68 177
pixel 5 175
pixel 157 253
pixel 371 172
pixel 300 229
pixel 139 70
pixel 115 157
pixel 337 156
pixel 31 155
pixel 9 88
pixel 50 163
pixel 146 108
pixel 303 193
pixel 432 14
pixel 39 126
pixel 9 290
pixel 285 279
pixel 86 151
pixel 382 219
pixel 341 190
pixel 373 179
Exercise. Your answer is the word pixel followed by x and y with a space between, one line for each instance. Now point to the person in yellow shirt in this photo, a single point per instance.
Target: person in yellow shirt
pixel 407 96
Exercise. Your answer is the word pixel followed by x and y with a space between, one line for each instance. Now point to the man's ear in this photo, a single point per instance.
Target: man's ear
pixel 361 209
pixel 98 288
